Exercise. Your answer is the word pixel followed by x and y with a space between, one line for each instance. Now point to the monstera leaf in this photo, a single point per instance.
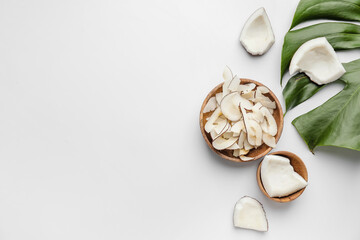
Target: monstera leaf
pixel 348 10
pixel 341 36
pixel 300 88
pixel 336 122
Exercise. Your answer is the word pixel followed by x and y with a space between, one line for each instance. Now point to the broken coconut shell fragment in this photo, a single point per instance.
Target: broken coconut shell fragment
pixel 257 35
pixel 318 60
pixel 250 214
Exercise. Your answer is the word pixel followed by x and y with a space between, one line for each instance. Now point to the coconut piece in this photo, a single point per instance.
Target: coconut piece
pixel 269 125
pixel 218 97
pixel 222 143
pixel 214 135
pixel 234 84
pixel 279 178
pixel 210 123
pixel 237 127
pixel 247 145
pixel 250 214
pixel 242 138
pixel 243 152
pixel 246 88
pixel 210 105
pixel 269 104
pixel 228 134
pixel 228 76
pixel 230 106
pixel 233 147
pixel 245 158
pixel 317 59
pixel 236 153
pixel 253 130
pixel 254 133
pixel 263 89
pixel 257 35
pixel 220 124
pixel 249 95
pixel 246 103
pixel 244 115
pixel 265 101
pixel 257 114
pixel 269 140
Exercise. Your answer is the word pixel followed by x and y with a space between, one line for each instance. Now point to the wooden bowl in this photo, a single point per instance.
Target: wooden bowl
pixel 299 167
pixel 255 153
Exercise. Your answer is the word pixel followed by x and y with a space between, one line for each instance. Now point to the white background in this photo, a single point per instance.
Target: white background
pixel 99 133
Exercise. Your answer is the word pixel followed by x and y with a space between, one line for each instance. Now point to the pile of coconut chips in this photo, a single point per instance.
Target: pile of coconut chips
pixel 242 117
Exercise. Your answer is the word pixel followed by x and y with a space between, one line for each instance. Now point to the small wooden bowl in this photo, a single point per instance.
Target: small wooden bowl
pixel 255 153
pixel 298 166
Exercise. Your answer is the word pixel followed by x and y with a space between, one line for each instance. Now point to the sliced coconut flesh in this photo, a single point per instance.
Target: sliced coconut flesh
pixel 237 127
pixel 214 135
pixel 257 35
pixel 210 123
pixel 243 152
pixel 249 213
pixel 258 115
pixel 246 88
pixel 269 124
pixel 228 76
pixel 222 143
pixel 263 89
pixel 233 147
pixel 219 97
pixel 230 106
pixel 245 158
pixel 220 124
pixel 210 105
pixel 254 133
pixel 279 178
pixel 318 60
pixel 234 84
pixel 269 140
pixel 236 153
pixel 242 138
pixel 265 101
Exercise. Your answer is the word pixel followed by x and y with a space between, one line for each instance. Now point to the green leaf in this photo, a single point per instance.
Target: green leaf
pixel 346 10
pixel 298 89
pixel 342 36
pixel 336 122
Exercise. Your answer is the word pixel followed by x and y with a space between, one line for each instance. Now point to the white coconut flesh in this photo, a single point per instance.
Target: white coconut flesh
pixel 222 143
pixel 210 105
pixel 250 214
pixel 318 60
pixel 279 178
pixel 227 76
pixel 210 123
pixel 238 120
pixel 230 106
pixel 257 35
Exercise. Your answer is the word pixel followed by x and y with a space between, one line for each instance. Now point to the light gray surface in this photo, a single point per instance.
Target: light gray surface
pixel 99 135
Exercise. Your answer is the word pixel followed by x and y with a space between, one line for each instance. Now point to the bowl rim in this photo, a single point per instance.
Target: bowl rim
pixel 237 159
pixel 294 195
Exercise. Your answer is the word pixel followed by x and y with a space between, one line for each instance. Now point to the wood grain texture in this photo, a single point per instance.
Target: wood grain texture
pixel 298 166
pixel 255 153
